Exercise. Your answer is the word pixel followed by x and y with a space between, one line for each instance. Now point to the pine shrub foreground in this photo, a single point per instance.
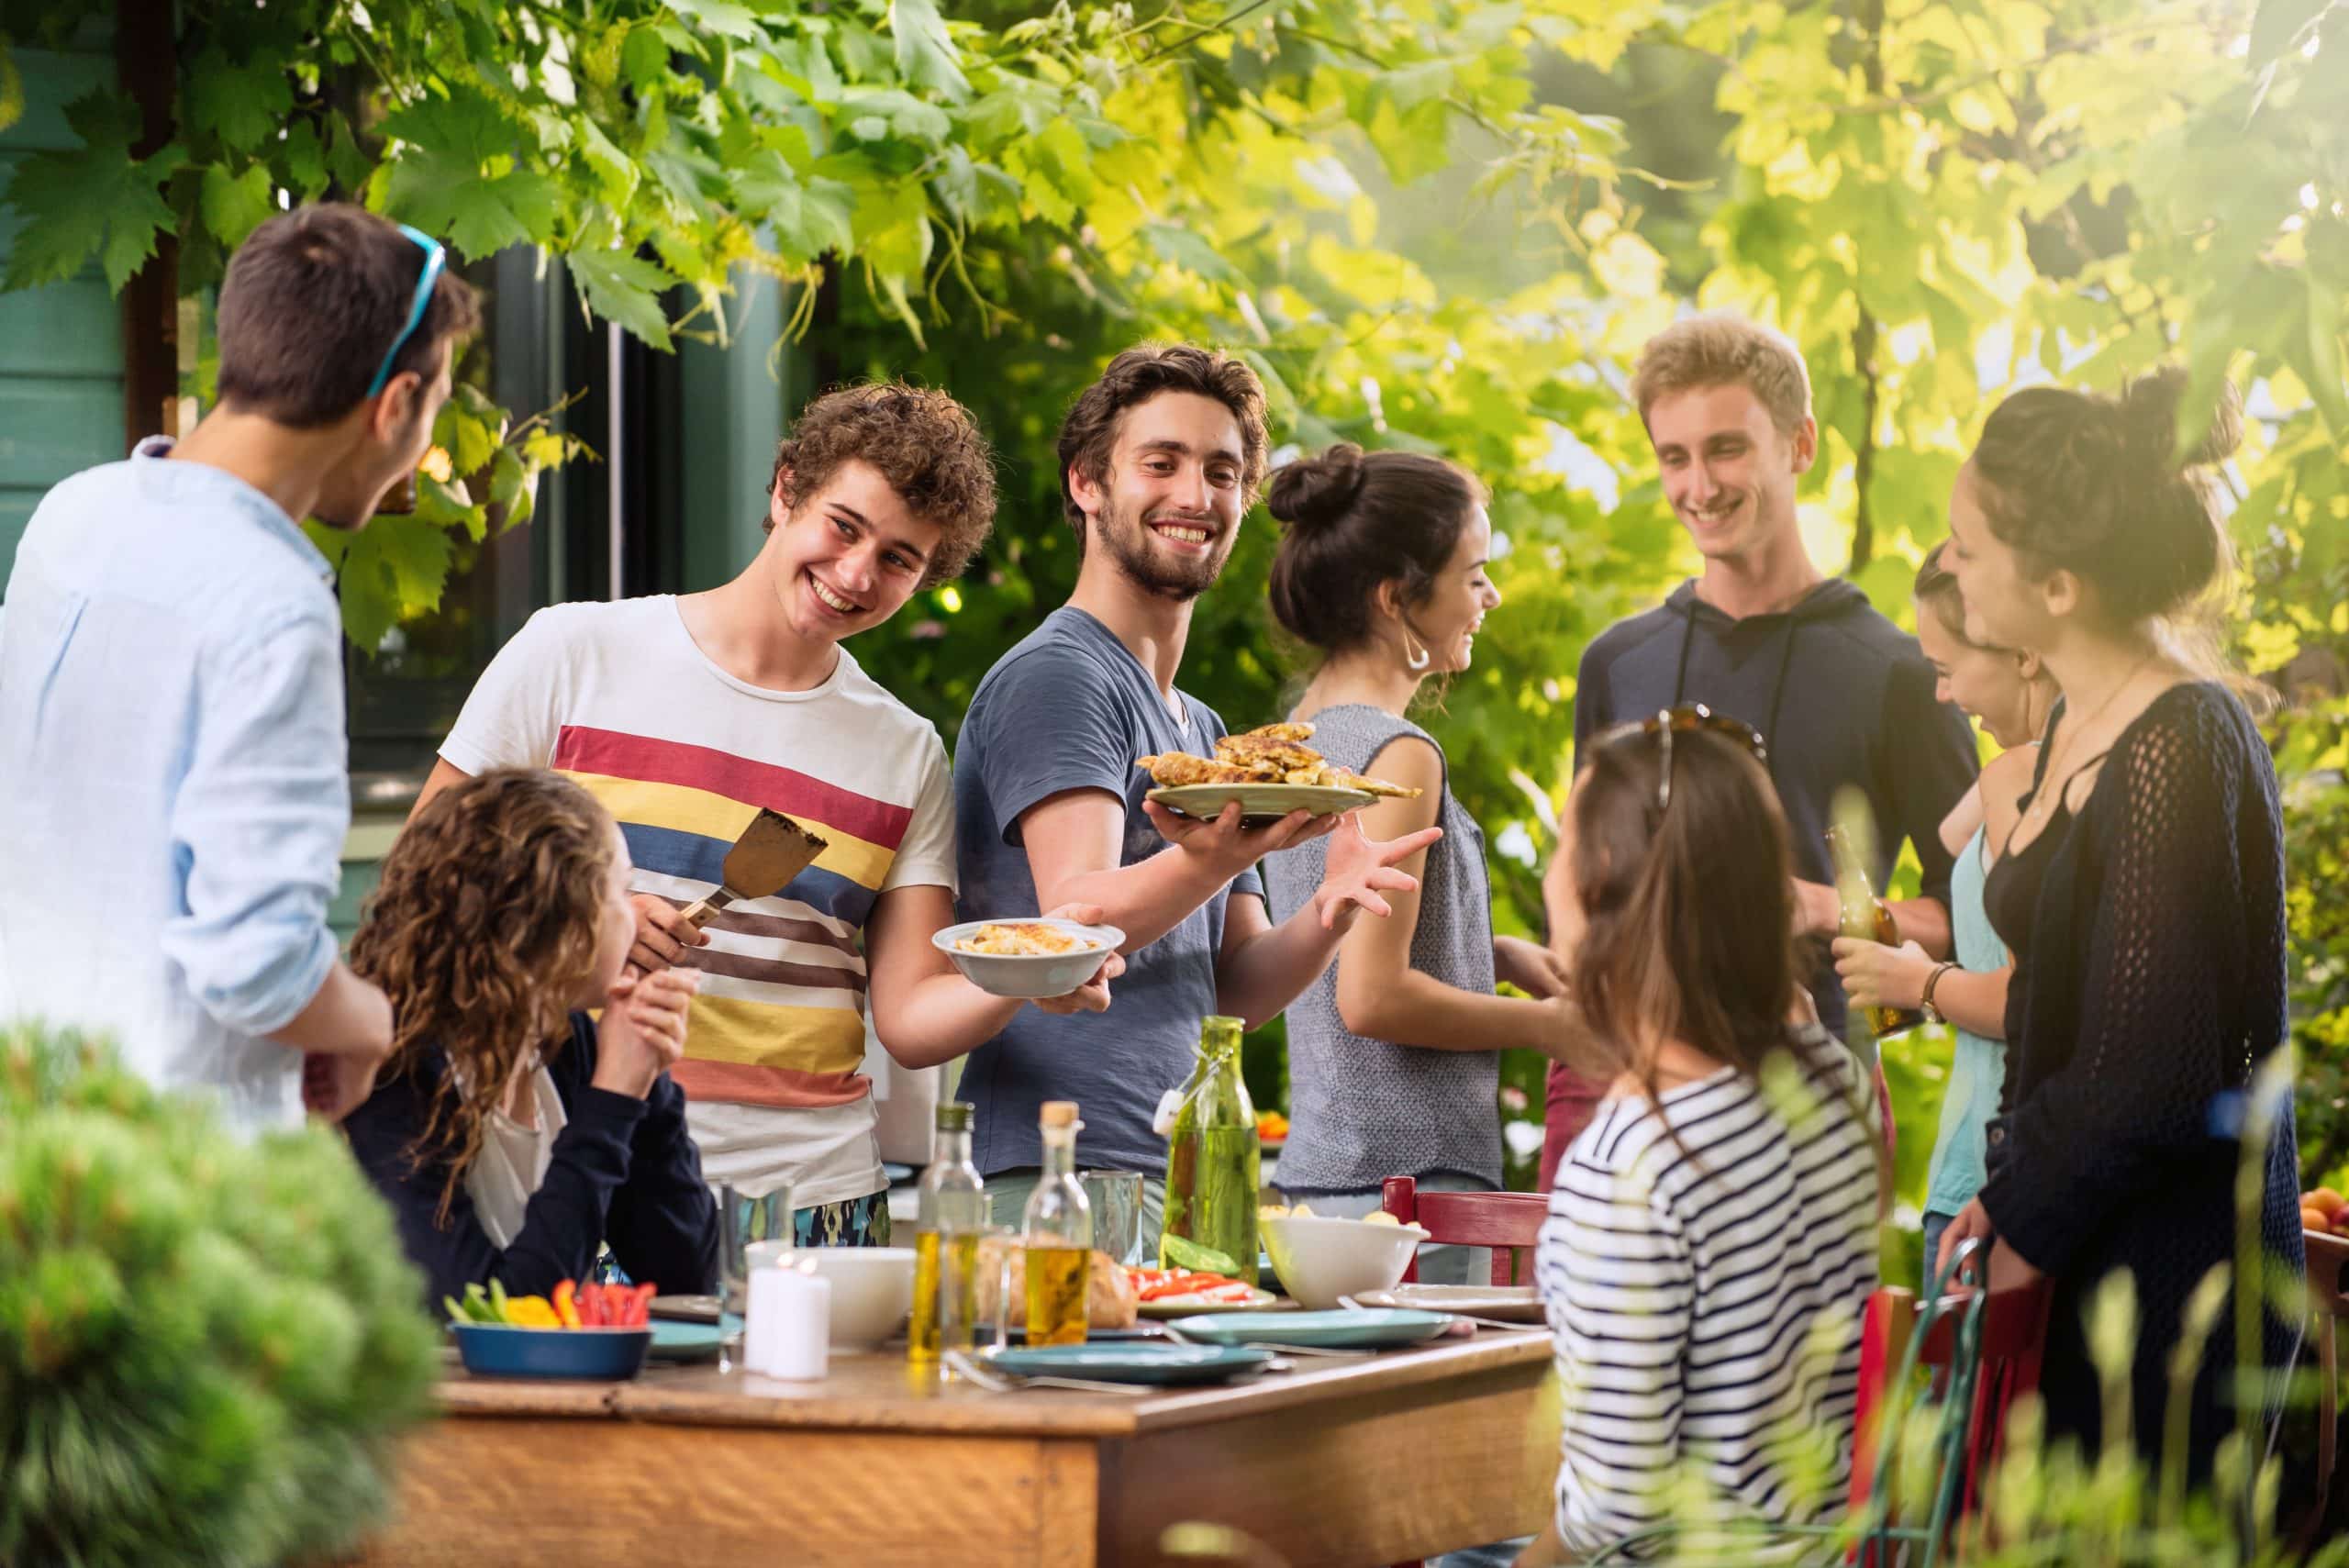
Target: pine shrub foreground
pixel 209 1346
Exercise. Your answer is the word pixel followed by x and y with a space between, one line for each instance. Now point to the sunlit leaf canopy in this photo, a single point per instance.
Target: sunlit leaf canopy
pixel 1428 223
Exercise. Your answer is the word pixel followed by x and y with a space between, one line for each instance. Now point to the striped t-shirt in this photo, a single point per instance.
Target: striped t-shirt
pixel 1705 1267
pixel 618 697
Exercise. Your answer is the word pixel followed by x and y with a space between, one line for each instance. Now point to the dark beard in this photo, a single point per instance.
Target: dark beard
pixel 1128 545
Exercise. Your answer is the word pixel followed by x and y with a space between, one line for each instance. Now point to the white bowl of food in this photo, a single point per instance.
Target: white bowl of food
pixel 872 1287
pixel 1320 1260
pixel 1029 959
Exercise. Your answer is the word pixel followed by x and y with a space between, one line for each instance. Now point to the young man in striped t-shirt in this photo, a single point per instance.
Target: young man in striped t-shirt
pixel 685 714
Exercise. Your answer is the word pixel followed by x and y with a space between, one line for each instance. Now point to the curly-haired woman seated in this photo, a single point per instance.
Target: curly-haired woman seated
pixel 511 1133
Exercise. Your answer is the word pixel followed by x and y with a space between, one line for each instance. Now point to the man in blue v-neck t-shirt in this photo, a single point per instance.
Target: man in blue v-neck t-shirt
pixel 1159 461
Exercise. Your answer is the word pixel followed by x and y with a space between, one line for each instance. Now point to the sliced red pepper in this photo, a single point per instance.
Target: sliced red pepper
pixel 566 1304
pixel 591 1305
pixel 640 1309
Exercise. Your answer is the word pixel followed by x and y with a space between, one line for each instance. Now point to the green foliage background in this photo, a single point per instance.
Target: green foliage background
pixel 1429 223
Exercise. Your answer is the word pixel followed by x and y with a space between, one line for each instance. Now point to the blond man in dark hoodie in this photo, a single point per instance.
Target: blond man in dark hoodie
pixel 1842 695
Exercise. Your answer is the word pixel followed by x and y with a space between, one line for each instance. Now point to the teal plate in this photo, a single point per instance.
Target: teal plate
pixel 675 1342
pixel 1363 1330
pixel 1163 1365
pixel 1018 1334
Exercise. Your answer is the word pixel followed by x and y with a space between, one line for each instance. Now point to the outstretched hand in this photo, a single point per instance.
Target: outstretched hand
pixel 1093 997
pixel 1226 845
pixel 1360 868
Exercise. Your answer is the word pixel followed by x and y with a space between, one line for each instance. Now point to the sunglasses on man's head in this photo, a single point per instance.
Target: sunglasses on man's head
pixel 400 500
pixel 1686 718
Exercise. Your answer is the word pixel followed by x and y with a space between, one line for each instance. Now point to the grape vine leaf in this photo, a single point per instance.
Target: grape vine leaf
pixel 624 289
pixel 95 200
pixel 926 55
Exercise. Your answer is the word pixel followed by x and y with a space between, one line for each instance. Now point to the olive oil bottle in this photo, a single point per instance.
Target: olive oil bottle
pixel 946 1243
pixel 1057 1233
pixel 1212 1164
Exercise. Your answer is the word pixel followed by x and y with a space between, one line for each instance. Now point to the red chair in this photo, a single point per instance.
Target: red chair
pixel 2329 1299
pixel 1985 1352
pixel 1506 1222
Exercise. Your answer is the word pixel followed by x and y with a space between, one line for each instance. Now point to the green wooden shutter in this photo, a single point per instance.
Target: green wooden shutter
pixel 61 347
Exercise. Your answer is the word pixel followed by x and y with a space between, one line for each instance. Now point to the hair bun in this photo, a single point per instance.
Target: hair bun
pixel 2149 411
pixel 1314 492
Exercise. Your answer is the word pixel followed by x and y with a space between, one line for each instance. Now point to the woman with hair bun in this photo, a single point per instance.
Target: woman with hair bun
pixel 1392 1072
pixel 2142 891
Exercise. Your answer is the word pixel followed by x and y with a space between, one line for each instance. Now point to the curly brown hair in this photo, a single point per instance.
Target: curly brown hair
pixel 482 932
pixel 1089 433
pixel 923 443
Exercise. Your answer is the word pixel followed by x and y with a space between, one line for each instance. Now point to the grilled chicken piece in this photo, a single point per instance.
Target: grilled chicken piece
pixel 1278 758
pixel 1346 780
pixel 1178 768
pixel 1284 731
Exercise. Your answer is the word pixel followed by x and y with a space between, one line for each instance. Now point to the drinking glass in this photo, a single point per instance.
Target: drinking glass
pixel 744 1217
pixel 1115 1197
pixel 1010 1264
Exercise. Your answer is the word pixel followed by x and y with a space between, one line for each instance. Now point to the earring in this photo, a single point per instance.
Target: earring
pixel 1415 655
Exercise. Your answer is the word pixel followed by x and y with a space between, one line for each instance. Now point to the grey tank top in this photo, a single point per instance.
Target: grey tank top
pixel 1362 1110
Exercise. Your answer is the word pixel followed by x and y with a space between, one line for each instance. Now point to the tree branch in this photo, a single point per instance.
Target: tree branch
pixel 1187 39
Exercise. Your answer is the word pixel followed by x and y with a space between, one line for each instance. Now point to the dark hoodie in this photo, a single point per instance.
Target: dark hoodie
pixel 1842 695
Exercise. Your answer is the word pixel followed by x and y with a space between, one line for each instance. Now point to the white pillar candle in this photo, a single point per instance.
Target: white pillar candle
pixel 788 1333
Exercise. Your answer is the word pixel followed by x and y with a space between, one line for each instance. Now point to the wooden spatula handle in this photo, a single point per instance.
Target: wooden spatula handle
pixel 701 908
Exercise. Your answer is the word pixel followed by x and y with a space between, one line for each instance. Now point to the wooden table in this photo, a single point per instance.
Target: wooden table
pixel 1350 1464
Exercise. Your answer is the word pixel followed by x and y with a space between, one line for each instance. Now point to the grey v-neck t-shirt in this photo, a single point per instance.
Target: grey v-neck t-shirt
pixel 1070 708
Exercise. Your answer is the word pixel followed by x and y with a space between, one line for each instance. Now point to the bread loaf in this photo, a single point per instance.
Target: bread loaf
pixel 1110 1298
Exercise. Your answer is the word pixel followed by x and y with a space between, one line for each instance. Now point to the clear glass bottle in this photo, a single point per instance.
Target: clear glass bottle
pixel 953 1216
pixel 1057 1234
pixel 1868 919
pixel 1213 1162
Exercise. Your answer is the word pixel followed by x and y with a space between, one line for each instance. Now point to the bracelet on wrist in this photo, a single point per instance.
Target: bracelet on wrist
pixel 1925 1003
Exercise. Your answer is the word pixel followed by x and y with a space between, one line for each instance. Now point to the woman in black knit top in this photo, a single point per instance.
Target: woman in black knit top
pixel 2142 892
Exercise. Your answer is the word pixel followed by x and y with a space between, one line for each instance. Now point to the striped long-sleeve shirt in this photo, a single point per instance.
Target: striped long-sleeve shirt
pixel 1705 1266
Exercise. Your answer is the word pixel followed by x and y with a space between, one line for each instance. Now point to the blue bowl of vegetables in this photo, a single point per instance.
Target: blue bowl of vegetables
pixel 596 1333
pixel 601 1355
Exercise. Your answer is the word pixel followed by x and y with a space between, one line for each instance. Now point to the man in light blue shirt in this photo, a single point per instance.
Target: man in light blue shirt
pixel 173 785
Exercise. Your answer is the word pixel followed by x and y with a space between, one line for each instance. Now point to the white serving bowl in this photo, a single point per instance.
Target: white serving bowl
pixel 1321 1260
pixel 872 1287
pixel 1030 978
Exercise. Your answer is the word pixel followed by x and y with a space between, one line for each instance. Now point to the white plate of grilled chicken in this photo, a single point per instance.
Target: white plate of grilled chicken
pixel 1271 772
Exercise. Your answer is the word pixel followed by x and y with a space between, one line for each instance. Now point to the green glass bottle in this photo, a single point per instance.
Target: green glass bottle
pixel 1212 1164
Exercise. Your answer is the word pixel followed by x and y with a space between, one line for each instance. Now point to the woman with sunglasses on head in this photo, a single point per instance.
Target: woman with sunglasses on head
pixel 2009 694
pixel 2142 892
pixel 1381 570
pixel 1711 1239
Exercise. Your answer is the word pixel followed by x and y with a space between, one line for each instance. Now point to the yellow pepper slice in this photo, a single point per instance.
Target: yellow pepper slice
pixel 532 1312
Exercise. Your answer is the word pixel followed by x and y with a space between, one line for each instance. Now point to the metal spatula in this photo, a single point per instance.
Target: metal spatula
pixel 771 851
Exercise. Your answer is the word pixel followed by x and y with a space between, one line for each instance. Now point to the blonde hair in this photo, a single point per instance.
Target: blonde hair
pixel 1725 350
